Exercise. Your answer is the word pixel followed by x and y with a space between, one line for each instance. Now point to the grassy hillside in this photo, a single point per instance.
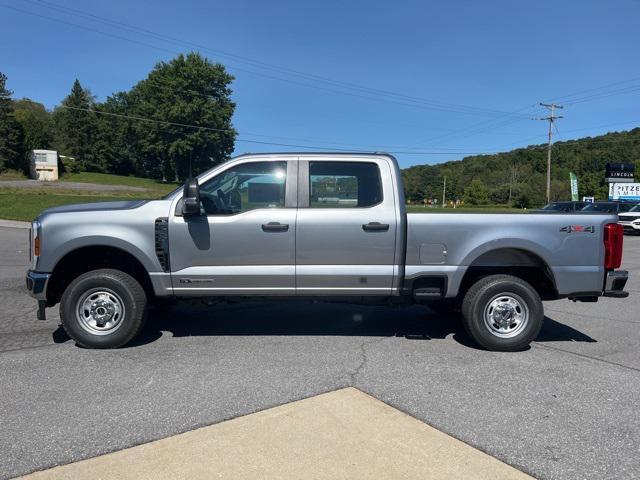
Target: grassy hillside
pixel 524 170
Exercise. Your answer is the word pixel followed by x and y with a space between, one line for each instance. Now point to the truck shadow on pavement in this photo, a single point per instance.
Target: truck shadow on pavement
pixel 319 319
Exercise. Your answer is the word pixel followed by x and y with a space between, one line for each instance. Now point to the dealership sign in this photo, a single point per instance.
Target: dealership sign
pixel 624 191
pixel 619 172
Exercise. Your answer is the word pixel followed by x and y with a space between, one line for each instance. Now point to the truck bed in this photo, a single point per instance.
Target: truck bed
pixel 570 246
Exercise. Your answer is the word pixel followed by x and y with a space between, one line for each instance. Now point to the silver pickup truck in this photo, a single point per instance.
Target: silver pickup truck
pixel 329 227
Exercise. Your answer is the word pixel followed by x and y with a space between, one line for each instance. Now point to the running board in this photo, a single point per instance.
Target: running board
pixel 427 294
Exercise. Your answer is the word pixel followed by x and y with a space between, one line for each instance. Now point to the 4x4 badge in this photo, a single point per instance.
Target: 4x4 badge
pixel 578 228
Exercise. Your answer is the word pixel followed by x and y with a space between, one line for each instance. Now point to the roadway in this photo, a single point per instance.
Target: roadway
pixel 565 408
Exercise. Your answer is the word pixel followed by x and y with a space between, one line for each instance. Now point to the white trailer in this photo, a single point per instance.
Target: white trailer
pixel 43 165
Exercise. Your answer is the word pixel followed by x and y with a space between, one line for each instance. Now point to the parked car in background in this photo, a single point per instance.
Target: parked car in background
pixel 630 220
pixel 561 207
pixel 608 207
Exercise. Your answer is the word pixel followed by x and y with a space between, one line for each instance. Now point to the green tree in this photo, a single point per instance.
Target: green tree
pixel 188 90
pixel 36 123
pixel 11 135
pixel 522 200
pixel 76 130
pixel 476 193
pixel 117 145
pixel 500 194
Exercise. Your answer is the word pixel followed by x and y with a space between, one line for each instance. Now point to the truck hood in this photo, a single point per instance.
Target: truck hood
pixel 96 206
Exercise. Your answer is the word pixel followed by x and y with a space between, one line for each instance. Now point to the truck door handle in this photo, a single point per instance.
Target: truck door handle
pixel 375 227
pixel 275 227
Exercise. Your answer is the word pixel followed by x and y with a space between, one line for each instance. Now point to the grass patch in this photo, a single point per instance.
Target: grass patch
pixel 26 203
pixel 20 205
pixel 108 179
pixel 12 175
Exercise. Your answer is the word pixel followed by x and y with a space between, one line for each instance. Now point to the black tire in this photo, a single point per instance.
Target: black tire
pixel 115 294
pixel 516 298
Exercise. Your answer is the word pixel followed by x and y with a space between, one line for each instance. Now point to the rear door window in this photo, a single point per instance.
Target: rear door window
pixel 344 185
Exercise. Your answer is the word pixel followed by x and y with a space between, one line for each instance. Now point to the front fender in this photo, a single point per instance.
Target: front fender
pixel 132 231
pixel 150 264
pixel 58 240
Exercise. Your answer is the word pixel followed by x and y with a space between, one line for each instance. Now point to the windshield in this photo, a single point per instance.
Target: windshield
pixel 557 206
pixel 601 207
pixel 626 207
pixel 636 208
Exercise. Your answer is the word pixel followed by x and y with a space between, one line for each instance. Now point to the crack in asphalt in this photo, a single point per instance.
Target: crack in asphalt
pixel 364 358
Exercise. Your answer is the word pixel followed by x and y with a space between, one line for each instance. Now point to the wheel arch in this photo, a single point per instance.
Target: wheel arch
pixel 517 261
pixel 94 257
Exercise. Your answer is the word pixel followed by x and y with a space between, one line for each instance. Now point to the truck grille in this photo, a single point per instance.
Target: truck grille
pixel 162 242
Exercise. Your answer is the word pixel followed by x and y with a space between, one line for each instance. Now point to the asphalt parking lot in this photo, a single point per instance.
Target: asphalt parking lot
pixel 565 408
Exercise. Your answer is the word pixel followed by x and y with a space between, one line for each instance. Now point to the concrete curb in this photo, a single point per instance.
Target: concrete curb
pixel 14 224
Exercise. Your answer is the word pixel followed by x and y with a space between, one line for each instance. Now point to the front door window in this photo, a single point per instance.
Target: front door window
pixel 245 187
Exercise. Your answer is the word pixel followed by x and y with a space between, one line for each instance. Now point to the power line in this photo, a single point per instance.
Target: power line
pixel 226 130
pixel 601 126
pixel 607 94
pixel 555 125
pixel 251 134
pixel 363 91
pixel 475 129
pixel 569 97
pixel 574 98
pixel 578 130
pixel 542 144
pixel 434 105
pixel 209 96
pixel 318 147
pixel 481 127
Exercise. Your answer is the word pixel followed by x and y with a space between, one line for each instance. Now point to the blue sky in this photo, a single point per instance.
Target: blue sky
pixel 447 75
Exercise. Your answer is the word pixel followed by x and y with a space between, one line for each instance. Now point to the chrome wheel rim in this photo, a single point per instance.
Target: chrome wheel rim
pixel 506 315
pixel 100 311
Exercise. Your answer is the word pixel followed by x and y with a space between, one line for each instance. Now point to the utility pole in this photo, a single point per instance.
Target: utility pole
pixel 444 190
pixel 551 118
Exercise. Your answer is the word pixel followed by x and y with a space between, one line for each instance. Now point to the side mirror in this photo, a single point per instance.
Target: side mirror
pixel 191 198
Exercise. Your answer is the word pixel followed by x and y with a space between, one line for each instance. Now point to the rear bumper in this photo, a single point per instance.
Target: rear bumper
pixel 614 284
pixel 37 284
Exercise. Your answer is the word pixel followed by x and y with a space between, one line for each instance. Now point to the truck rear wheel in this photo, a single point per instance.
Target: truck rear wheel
pixel 502 313
pixel 103 309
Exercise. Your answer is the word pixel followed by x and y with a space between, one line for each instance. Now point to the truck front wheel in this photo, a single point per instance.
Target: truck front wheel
pixel 103 309
pixel 502 313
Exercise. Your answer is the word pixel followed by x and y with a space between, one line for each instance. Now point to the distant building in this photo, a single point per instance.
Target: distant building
pixel 43 165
